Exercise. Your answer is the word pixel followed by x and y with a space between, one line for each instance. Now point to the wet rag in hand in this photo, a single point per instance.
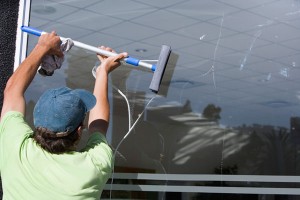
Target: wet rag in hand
pixel 51 62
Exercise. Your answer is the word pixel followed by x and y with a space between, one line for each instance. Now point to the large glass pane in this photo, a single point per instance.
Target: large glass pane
pixel 226 122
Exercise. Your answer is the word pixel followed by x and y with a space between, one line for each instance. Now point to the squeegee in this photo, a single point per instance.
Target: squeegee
pixel 158 68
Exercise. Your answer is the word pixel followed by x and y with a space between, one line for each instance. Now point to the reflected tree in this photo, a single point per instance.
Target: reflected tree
pixel 212 112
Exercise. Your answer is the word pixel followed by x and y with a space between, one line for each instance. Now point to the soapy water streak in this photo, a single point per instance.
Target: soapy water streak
pixel 293 13
pixel 212 69
pixel 268 23
pixel 215 52
pixel 126 135
pixel 202 37
pixel 269 76
pixel 222 158
pixel 256 36
pixel 131 127
pixel 284 71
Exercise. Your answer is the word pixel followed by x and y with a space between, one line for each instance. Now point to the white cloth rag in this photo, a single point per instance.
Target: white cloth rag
pixel 51 62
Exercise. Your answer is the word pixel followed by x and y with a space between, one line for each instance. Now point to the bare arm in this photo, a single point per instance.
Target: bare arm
pixel 18 83
pixel 99 115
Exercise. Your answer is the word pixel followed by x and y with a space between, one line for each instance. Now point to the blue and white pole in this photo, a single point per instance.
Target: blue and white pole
pixel 128 60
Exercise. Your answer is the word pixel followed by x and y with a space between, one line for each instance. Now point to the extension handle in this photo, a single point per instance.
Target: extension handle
pixel 129 60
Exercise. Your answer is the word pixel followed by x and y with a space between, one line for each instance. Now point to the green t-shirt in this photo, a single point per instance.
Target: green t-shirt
pixel 29 172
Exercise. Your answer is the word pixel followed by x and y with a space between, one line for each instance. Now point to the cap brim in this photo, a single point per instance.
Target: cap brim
pixel 88 98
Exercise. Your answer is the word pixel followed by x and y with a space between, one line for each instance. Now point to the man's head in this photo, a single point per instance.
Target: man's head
pixel 61 111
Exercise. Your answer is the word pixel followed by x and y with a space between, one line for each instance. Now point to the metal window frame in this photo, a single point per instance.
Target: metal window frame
pixel 22 38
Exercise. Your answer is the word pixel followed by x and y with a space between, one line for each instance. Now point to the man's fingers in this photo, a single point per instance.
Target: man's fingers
pixel 59 53
pixel 117 58
pixel 53 33
pixel 122 55
pixel 108 49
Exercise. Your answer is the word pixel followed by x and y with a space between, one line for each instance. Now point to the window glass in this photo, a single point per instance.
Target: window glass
pixel 226 121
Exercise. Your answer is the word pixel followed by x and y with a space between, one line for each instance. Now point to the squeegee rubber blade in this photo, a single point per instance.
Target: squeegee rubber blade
pixel 160 68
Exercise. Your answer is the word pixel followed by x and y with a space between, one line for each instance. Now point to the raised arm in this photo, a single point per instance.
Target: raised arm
pixel 18 83
pixel 99 115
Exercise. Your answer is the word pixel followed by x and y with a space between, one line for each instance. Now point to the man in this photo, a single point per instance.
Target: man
pixel 43 164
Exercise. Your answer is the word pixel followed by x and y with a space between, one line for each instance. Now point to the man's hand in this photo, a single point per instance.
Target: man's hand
pixel 110 63
pixel 18 83
pixel 51 43
pixel 99 115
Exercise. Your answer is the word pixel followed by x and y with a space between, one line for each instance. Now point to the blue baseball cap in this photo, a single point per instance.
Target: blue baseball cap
pixel 62 110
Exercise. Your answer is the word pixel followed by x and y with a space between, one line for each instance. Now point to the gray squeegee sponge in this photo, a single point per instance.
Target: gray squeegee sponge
pixel 160 68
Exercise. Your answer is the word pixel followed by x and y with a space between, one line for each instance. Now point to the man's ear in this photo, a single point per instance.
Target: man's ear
pixel 80 130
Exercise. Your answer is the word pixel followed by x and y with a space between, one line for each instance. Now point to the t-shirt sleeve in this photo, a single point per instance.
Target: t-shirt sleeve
pixel 13 131
pixel 100 152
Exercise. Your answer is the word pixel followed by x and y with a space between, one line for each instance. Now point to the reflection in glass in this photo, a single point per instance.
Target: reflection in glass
pixel 229 100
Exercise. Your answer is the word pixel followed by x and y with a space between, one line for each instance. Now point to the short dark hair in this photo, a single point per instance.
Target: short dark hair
pixel 57 145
